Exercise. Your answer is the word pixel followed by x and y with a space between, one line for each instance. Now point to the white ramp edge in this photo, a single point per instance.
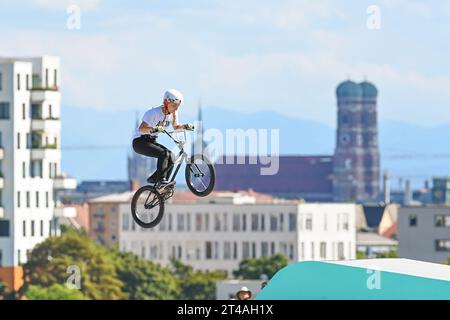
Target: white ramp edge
pixel 403 266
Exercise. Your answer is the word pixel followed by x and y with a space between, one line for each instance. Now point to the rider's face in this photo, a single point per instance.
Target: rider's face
pixel 171 106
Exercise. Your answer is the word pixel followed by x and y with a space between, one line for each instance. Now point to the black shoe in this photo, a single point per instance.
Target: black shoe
pixel 151 179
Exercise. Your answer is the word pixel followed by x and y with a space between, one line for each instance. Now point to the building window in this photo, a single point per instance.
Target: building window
pixel 46 199
pixel 264 249
pixel 37 199
pixel 245 250
pixel 443 245
pixel 169 227
pixel 188 222
pixel 198 222
pixel 24 228
pixel 281 222
pixel 18 81
pixel 244 222
pixel 273 223
pixel 32 228
pixel 125 222
pixel 312 251
pixel 18 257
pixel 442 220
pixel 1 81
pixel 24 168
pixel 292 222
pixel 28 198
pixel 341 251
pixel 217 222
pixel 180 222
pixel 4 110
pixel 236 222
pixel 323 250
pixel 255 220
pixel 308 222
pixel 225 222
pixel 235 255
pixel 55 78
pixel 1 141
pixel 46 78
pixel 208 250
pixel 18 199
pixel 263 222
pixel 413 220
pixel 4 228
pixel 226 250
pixel 291 251
pixel 27 84
pixel 345 223
pixel 253 250
pixel 23 111
pixel 18 140
pixel 42 228
pixel 36 111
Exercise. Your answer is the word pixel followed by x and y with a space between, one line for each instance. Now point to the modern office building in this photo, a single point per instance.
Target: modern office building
pixel 217 232
pixel 424 233
pixel 30 160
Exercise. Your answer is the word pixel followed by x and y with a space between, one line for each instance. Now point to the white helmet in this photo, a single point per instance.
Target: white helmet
pixel 173 96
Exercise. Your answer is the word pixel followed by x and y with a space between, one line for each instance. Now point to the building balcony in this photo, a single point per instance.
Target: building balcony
pixel 64 183
pixel 65 212
pixel 39 95
pixel 41 87
pixel 45 152
pixel 2 212
pixel 45 124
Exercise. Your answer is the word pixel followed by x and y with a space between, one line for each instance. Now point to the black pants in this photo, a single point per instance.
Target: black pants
pixel 148 146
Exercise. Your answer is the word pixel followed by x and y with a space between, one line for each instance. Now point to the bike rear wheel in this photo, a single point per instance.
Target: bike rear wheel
pixel 147 207
pixel 200 175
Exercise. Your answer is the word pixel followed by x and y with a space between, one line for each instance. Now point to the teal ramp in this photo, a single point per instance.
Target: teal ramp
pixel 372 279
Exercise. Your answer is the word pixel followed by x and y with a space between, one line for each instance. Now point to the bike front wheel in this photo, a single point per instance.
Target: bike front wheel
pixel 147 207
pixel 200 175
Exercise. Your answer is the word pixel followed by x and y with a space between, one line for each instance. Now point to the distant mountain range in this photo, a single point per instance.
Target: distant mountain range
pixel 96 143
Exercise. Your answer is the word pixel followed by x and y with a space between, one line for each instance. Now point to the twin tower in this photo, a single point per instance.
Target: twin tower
pixel 356 168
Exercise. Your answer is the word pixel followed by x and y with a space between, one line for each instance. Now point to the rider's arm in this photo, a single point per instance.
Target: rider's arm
pixel 144 128
pixel 175 123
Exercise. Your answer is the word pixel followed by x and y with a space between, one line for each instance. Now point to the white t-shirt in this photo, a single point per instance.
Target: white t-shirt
pixel 154 117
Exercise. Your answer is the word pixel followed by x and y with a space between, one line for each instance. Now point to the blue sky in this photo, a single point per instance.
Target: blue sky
pixel 284 56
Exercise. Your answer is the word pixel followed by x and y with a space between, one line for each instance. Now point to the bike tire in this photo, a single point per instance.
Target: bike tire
pixel 134 202
pixel 212 172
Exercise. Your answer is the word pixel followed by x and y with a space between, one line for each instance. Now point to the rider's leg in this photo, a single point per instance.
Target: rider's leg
pixel 167 165
pixel 144 146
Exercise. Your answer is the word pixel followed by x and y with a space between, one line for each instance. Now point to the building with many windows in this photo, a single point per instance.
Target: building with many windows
pixel 217 232
pixel 30 160
pixel 424 233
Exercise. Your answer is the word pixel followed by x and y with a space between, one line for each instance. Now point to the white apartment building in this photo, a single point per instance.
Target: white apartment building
pixel 424 233
pixel 216 233
pixel 30 159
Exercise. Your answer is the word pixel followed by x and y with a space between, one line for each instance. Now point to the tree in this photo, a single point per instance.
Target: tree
pixel 255 268
pixel 390 254
pixel 2 288
pixel 196 285
pixel 49 262
pixel 144 280
pixel 54 292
